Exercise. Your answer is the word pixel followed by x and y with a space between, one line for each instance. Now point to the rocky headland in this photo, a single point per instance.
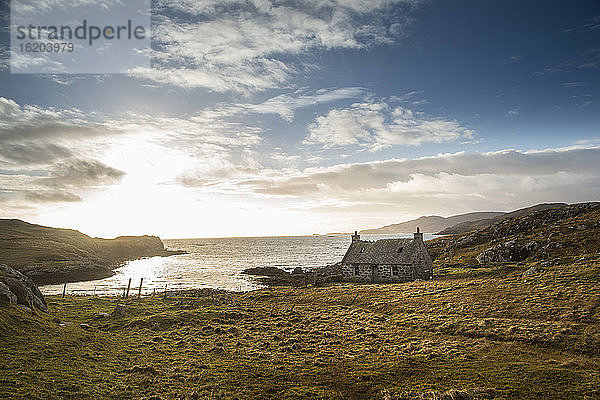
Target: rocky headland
pixel 53 255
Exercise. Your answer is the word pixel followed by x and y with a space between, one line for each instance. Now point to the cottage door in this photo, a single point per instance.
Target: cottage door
pixel 374 273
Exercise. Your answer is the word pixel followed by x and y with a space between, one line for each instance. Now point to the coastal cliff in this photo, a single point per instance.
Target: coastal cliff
pixel 53 255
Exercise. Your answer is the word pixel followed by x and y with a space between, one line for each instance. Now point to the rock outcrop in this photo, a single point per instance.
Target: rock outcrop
pixel 570 230
pixel 506 252
pixel 273 276
pixel 17 289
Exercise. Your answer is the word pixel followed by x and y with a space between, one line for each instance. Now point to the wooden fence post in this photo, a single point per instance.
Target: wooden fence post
pixel 128 286
pixel 353 300
pixel 140 289
pixel 64 289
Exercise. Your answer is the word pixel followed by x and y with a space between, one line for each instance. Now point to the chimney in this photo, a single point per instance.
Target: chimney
pixel 418 235
pixel 355 237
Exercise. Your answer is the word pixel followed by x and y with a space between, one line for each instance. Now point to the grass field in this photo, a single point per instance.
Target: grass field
pixel 470 334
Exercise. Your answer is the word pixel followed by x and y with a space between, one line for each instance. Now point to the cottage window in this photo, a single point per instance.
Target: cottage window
pixel 356 270
pixel 400 249
pixel 395 271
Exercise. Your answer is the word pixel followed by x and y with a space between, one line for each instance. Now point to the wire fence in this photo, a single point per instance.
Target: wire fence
pixel 135 289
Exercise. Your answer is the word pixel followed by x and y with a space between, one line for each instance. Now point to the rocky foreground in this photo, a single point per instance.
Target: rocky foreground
pixel 18 290
pixel 496 332
pixel 51 255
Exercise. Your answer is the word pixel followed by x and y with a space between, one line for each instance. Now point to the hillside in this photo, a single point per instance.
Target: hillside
pixel 433 223
pixel 550 234
pixel 468 226
pixel 489 333
pixel 52 255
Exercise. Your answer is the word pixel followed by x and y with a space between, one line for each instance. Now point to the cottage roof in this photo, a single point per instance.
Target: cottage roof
pixel 383 251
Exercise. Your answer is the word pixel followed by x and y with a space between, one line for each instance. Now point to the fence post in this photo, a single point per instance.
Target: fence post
pixel 353 300
pixel 140 289
pixel 64 289
pixel 128 286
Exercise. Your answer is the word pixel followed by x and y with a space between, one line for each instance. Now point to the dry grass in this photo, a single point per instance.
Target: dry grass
pixel 484 334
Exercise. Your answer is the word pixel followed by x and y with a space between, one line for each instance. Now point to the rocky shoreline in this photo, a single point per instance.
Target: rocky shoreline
pixel 273 276
pixel 51 255
pixel 56 274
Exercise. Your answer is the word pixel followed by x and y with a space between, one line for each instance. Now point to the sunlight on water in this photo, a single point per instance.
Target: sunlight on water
pixel 217 263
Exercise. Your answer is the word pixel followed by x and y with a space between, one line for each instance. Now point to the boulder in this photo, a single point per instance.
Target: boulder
pixel 506 252
pixel 25 292
pixel 6 296
pixel 119 311
pixel 530 271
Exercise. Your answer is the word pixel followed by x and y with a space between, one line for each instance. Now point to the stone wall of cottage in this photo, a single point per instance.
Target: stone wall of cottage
pixel 422 262
pixel 384 273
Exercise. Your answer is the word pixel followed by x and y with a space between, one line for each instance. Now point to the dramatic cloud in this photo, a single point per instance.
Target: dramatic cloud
pixel 450 182
pixel 47 155
pixel 58 183
pixel 248 46
pixel 377 125
pixel 30 135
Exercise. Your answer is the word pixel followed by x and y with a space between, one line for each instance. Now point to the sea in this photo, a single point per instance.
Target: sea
pixel 218 263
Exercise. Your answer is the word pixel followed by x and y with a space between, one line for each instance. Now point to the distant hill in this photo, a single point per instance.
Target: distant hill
pixel 547 234
pixel 53 255
pixel 432 223
pixel 473 225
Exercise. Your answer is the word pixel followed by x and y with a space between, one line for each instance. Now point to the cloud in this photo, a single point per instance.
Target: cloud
pixel 248 46
pixel 51 197
pixel 513 113
pixel 59 182
pixel 81 173
pixel 49 155
pixel 30 135
pixel 285 104
pixel 590 24
pixel 33 153
pixel 448 182
pixel 377 125
pixel 588 59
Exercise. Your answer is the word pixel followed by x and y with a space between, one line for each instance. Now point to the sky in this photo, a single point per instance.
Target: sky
pixel 288 117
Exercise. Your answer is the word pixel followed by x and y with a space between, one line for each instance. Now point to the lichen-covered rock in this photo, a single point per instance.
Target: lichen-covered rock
pixel 506 252
pixel 22 288
pixel 6 296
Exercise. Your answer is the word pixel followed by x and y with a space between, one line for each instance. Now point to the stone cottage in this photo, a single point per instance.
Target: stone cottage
pixel 387 260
